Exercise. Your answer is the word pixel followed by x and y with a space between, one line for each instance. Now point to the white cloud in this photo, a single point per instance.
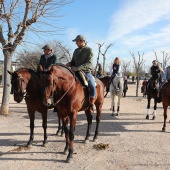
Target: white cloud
pixel 135 15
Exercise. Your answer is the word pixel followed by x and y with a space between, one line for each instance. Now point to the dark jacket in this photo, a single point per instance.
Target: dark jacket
pixel 46 63
pixel 155 70
pixel 82 59
pixel 115 68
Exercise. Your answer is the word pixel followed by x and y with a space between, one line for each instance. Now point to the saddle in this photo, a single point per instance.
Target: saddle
pixel 83 78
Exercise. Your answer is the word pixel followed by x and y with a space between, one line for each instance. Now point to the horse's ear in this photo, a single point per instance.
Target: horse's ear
pixel 10 72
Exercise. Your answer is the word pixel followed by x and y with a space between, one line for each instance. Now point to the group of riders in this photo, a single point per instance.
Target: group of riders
pixel 156 73
pixel 82 60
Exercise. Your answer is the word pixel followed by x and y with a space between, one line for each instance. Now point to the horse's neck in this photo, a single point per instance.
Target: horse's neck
pixel 33 84
pixel 116 80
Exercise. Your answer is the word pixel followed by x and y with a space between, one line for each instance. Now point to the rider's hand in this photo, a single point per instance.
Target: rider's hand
pixel 68 64
pixel 74 68
pixel 166 81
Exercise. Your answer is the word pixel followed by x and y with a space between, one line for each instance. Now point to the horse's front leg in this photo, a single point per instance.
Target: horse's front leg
pixel 32 117
pixel 60 125
pixel 165 117
pixel 118 105
pixel 66 130
pixel 155 107
pixel 148 108
pixel 73 118
pixel 44 125
pixel 89 120
pixel 98 118
pixel 112 98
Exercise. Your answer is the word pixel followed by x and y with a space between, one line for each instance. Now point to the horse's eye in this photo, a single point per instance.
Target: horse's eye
pixel 51 84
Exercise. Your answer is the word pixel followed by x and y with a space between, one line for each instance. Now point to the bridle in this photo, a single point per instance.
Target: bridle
pixel 20 87
pixel 54 92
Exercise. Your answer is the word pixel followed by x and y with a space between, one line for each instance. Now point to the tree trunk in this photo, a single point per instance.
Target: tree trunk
pixel 137 84
pixel 104 65
pixel 6 87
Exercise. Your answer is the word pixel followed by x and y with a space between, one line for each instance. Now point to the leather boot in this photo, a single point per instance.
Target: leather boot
pixel 91 104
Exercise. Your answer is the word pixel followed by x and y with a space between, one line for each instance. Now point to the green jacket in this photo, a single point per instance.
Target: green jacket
pixel 46 63
pixel 82 59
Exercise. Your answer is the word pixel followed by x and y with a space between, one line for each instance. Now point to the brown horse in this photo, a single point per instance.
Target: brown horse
pixel 70 98
pixel 152 92
pixel 25 84
pixel 106 82
pixel 165 102
pixel 143 90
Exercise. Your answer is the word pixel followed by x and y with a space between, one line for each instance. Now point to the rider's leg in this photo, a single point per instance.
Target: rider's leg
pixel 91 84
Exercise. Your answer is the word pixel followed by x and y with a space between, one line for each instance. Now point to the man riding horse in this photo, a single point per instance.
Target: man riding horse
pixel 82 61
pixel 166 80
pixel 155 71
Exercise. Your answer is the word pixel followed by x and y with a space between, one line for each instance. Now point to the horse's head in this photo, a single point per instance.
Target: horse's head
pixel 19 84
pixel 48 87
pixel 154 84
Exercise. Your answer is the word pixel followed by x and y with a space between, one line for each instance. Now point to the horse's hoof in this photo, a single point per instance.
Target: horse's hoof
pixel 69 160
pixel 86 141
pixel 163 129
pixel 29 144
pixel 147 116
pixel 65 152
pixel 95 140
pixel 153 118
pixel 117 114
pixel 112 114
pixel 44 144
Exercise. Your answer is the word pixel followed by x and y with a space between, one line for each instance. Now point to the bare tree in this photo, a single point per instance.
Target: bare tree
pixel 98 57
pixel 30 58
pixel 125 66
pixel 165 59
pixel 65 55
pixel 18 18
pixel 104 56
pixel 138 66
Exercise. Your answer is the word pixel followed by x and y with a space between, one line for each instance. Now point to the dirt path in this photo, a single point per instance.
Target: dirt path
pixel 134 143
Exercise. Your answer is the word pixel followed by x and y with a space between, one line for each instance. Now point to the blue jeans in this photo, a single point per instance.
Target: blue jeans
pixel 91 84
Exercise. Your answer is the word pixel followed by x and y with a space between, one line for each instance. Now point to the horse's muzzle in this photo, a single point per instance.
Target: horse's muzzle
pixel 48 102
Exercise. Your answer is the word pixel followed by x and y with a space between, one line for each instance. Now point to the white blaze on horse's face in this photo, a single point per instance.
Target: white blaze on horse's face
pixel 49 90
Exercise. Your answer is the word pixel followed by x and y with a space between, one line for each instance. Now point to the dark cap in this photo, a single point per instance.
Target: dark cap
pixel 154 61
pixel 79 37
pixel 47 47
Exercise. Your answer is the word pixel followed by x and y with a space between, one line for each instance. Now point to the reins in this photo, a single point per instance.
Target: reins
pixel 63 94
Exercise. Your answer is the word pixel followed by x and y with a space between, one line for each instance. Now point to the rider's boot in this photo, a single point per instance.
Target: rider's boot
pixel 91 104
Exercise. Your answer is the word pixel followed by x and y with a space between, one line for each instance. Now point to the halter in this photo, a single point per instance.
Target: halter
pixel 52 95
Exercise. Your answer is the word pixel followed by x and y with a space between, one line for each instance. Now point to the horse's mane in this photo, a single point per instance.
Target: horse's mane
pixel 27 69
pixel 62 65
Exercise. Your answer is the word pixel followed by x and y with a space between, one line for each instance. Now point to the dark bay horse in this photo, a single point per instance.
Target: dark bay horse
pixel 70 98
pixel 143 90
pixel 25 84
pixel 106 82
pixel 165 101
pixel 152 92
pixel 125 88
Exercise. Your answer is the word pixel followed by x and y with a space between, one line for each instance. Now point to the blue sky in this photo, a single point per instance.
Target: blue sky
pixel 132 25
